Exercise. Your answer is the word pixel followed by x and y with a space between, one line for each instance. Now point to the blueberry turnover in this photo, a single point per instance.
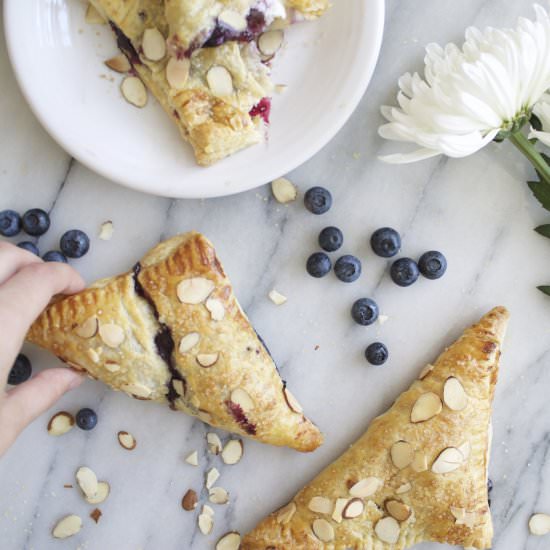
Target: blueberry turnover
pixel 172 331
pixel 418 474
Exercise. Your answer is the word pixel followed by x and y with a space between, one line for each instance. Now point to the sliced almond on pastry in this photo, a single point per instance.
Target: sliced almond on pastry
pixel 323 530
pixel 207 360
pixel 398 510
pixel 402 454
pixel 284 515
pixel 320 505
pixel 454 395
pixel 153 44
pixel 177 72
pixel 232 19
pixel 292 402
pixel 194 290
pixel 219 81
pixel 111 334
pixel 189 341
pixel 353 509
pixel 216 309
pixel 365 487
pixel 448 460
pixel 242 398
pixel 88 329
pixel 270 42
pixel 426 406
pixel 387 530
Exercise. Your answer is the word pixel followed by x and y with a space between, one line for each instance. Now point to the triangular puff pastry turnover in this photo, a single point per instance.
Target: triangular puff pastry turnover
pixel 172 331
pixel 418 474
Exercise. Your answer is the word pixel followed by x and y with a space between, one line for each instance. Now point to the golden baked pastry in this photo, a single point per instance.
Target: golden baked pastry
pixel 172 331
pixel 418 474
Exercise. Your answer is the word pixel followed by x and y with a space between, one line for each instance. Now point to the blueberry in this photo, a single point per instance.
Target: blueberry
pixel 21 370
pixel 404 272
pixel 331 239
pixel 318 200
pixel 318 264
pixel 385 242
pixel 10 223
pixel 29 247
pixel 86 419
pixel 489 485
pixel 74 243
pixel 432 265
pixel 377 354
pixel 55 256
pixel 365 311
pixel 35 222
pixel 347 268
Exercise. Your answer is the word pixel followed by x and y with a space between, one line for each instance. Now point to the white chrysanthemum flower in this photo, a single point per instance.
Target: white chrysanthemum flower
pixel 542 110
pixel 469 95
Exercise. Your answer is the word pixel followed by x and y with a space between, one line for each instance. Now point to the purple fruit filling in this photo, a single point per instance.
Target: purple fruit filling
pixel 262 109
pixel 125 45
pixel 241 419
pixel 222 33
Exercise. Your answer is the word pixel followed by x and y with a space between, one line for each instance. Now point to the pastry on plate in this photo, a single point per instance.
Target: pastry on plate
pixel 172 331
pixel 418 474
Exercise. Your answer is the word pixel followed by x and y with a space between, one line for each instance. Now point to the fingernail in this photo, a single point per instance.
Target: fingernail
pixel 76 381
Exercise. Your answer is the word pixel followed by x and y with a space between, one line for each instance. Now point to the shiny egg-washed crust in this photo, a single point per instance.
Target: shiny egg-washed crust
pixel 473 359
pixel 144 303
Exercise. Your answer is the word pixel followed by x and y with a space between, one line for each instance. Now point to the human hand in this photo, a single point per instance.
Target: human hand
pixel 26 287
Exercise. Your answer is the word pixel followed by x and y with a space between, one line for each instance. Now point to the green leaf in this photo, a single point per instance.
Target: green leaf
pixel 541 191
pixel 544 289
pixel 543 230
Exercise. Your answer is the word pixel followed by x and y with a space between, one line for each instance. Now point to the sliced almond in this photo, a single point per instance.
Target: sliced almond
pixel 87 481
pixel 206 523
pixel 284 515
pixel 240 397
pixel 120 64
pixel 177 72
pixel 189 500
pixel 218 495
pixel 211 477
pixel 153 44
pixel 214 443
pixel 103 491
pixel 448 460
pixel 216 309
pixel 233 451
pixel 194 290
pixel 111 366
pixel 179 386
pixel 323 530
pixel 192 458
pixel 420 462
pixel 93 17
pixel 270 42
pixel 354 508
pixel 107 228
pixel 365 487
pixel 339 506
pixel 233 20
pixel 402 454
pixel 398 510
pixel 387 530
pixel 67 527
pixel 465 449
pixel 454 395
pixel 284 190
pixel 112 335
pixel 230 541
pixel 127 441
pixel 93 355
pixel 463 517
pixel 207 360
pixel 320 505
pixel 425 371
pixel 277 298
pixel 134 91
pixel 427 406
pixel 189 341
pixel 292 402
pixel 402 489
pixel 137 390
pixel 60 423
pixel 219 81
pixel 539 524
pixel 88 329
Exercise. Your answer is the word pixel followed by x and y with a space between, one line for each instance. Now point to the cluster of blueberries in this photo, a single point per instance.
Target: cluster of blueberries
pixel 386 243
pixel 35 222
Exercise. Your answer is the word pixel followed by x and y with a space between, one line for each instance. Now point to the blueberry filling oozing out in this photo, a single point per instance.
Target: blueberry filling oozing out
pixel 222 33
pixel 125 45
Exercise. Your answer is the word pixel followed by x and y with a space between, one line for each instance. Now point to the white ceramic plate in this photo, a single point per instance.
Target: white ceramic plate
pixel 58 60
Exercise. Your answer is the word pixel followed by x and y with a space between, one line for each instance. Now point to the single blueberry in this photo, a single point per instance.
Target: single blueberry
pixel 21 370
pixel 318 264
pixel 365 311
pixel 331 239
pixel 489 485
pixel 432 265
pixel 347 268
pixel 377 354
pixel 385 242
pixel 29 247
pixel 35 222
pixel 10 223
pixel 74 243
pixel 318 200
pixel 404 272
pixel 55 256
pixel 86 419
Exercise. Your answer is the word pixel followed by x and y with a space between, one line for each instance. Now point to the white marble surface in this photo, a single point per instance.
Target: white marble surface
pixel 478 211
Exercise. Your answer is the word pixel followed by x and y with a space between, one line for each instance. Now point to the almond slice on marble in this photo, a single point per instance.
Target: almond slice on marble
pixel 277 298
pixel 192 458
pixel 402 454
pixel 111 334
pixel 320 505
pixel 120 64
pixel 134 91
pixel 240 397
pixel 60 423
pixel 402 489
pixel 454 395
pixel 426 406
pixel 284 515
pixel 211 477
pixel 153 44
pixel 189 500
pixel 448 460
pixel 232 452
pixel 233 20
pixel 103 491
pixel 323 530
pixel 339 506
pixel 214 443
pixel 218 495
pixel 398 510
pixel 207 360
pixel 189 341
pixel 365 487
pixel 353 509
pixel 88 329
pixel 284 190
pixel 137 390
pixel 107 228
pixel 387 530
pixel 207 510
pixel 67 527
pixel 292 402
pixel 219 81
pixel 216 309
pixel 206 523
pixel 229 541
pixel 270 42
pixel 93 17
pixel 195 290
pixel 87 481
pixel 420 462
pixel 127 441
pixel 177 72
pixel 425 371
pixel 539 524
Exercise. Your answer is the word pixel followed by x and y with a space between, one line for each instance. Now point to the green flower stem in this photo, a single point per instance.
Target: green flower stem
pixel 534 157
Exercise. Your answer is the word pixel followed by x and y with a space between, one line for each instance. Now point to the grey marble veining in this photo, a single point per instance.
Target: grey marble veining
pixel 477 210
